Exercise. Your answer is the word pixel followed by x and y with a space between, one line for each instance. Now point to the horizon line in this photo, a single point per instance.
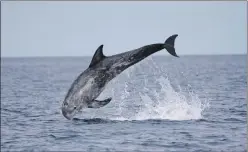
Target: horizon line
pixel 92 55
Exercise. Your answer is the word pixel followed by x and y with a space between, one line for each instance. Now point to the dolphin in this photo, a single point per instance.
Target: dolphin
pixel 102 69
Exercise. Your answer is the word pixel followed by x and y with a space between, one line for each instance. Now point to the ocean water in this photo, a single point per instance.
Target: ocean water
pixel 163 103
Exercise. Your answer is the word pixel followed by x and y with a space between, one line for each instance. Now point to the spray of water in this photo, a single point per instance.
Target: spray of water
pixel 140 95
pixel 171 105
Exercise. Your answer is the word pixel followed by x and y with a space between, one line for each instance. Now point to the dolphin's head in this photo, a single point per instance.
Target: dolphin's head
pixel 68 110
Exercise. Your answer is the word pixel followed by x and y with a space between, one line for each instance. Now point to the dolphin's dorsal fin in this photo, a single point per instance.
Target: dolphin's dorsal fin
pixel 98 56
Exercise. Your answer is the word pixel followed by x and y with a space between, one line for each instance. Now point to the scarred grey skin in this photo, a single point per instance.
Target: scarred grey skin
pixel 90 83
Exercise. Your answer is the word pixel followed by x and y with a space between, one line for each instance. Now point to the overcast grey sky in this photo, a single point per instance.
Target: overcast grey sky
pixel 77 28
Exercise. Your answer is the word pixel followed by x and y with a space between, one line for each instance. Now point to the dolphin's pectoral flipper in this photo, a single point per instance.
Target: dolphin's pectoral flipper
pixel 99 103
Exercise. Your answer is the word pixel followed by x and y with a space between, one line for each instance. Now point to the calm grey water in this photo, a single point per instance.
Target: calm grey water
pixel 191 103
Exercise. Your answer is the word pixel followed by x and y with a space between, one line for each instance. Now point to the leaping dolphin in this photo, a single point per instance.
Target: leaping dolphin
pixel 102 69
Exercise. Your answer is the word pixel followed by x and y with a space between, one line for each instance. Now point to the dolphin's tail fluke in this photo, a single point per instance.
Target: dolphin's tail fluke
pixel 169 45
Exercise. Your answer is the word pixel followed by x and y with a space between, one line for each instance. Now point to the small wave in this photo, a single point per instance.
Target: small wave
pixel 94 120
pixel 206 120
pixel 233 120
pixel 63 137
pixel 11 110
pixel 78 121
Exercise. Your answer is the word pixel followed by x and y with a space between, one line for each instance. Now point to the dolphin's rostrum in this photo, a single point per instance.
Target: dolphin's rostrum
pixel 102 69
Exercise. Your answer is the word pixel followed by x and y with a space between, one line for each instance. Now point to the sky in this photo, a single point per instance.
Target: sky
pixel 63 28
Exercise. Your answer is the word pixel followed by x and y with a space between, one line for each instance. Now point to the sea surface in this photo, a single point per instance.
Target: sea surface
pixel 163 103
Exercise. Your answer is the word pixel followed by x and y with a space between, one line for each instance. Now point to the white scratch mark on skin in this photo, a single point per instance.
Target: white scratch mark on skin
pixel 87 86
pixel 119 64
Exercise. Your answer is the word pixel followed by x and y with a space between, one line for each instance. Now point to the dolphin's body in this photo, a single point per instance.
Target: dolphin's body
pixel 90 83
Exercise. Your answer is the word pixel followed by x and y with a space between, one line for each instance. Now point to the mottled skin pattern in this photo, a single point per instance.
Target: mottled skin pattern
pixel 90 83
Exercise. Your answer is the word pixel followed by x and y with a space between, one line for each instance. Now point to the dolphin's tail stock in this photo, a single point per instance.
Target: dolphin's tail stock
pixel 169 45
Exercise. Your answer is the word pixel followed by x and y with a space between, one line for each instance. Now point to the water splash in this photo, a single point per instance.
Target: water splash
pixel 170 104
pixel 140 95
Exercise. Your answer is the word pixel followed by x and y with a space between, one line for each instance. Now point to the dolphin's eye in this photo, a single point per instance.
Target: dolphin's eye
pixel 75 107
